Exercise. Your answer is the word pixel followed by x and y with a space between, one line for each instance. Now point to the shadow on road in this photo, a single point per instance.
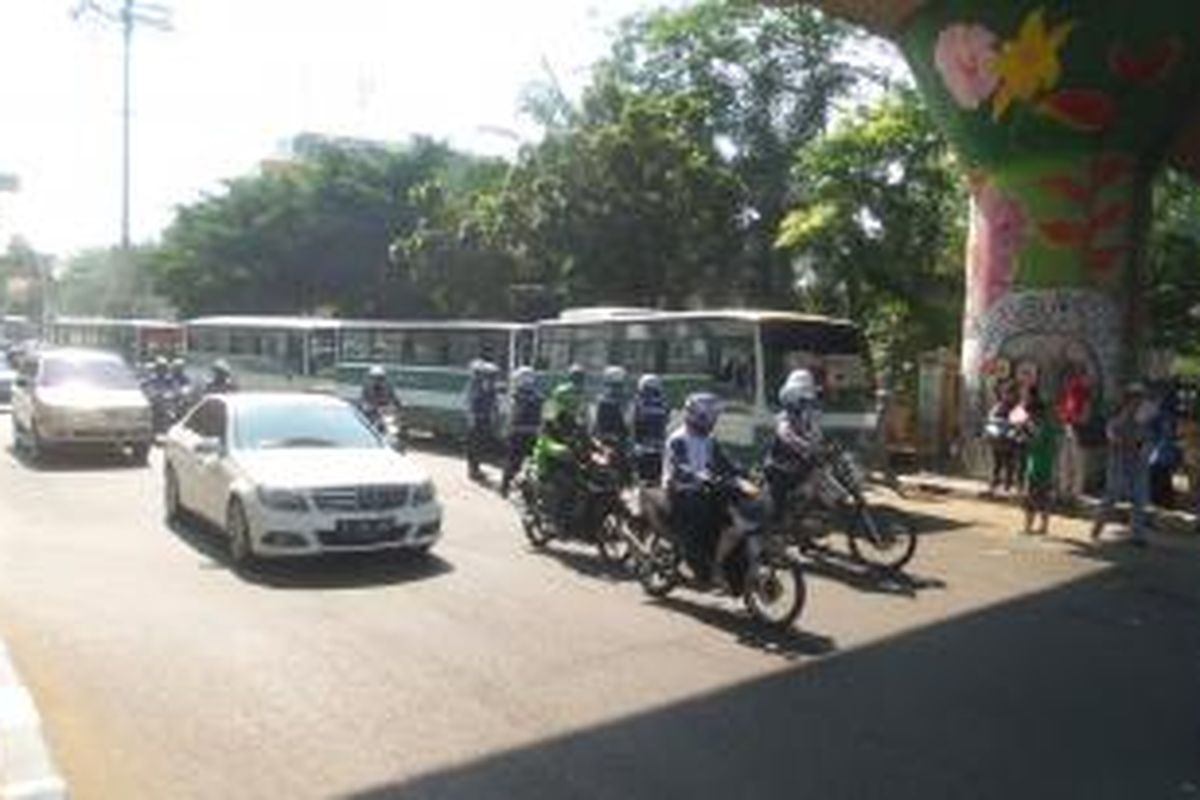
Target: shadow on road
pixel 841 567
pixel 792 643
pixel 582 558
pixel 333 571
pixel 1085 690
pixel 76 460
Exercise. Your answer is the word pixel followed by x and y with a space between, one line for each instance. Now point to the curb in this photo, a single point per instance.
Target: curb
pixel 27 772
pixel 1175 522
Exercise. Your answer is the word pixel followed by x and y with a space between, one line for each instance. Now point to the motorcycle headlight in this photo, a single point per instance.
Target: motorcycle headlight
pixel 282 499
pixel 425 493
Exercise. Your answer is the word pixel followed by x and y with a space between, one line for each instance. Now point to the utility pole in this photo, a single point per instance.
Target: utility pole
pixel 127 14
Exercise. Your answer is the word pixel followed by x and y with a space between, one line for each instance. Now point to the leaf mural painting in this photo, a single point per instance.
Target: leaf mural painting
pixel 1146 67
pixel 1084 110
pixel 1096 217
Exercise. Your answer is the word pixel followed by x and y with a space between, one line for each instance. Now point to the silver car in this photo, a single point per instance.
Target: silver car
pixel 79 399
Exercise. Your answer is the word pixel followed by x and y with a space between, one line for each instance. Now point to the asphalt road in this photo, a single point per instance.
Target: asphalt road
pixel 1002 667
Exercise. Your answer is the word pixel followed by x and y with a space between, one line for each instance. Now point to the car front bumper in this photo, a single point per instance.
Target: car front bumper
pixel 310 533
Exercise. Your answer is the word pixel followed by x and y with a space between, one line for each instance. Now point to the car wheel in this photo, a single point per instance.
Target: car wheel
pixel 34 445
pixel 172 507
pixel 237 527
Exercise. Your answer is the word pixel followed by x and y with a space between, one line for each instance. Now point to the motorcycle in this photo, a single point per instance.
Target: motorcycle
pixel 386 422
pixel 594 513
pixel 168 404
pixel 756 566
pixel 832 499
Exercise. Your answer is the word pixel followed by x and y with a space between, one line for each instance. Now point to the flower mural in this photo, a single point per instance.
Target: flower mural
pixel 965 56
pixel 1029 64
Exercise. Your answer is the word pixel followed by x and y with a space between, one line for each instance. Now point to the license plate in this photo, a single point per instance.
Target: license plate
pixel 365 526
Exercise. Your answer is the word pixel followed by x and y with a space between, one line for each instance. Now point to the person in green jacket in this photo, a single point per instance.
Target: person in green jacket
pixel 560 444
pixel 1041 447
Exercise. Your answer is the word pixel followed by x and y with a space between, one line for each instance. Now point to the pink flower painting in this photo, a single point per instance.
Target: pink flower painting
pixel 998 231
pixel 965 55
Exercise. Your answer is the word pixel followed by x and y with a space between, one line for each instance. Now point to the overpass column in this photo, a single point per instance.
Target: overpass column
pixel 1061 112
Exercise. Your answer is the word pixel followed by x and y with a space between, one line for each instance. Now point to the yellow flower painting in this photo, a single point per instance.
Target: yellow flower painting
pixel 1029 64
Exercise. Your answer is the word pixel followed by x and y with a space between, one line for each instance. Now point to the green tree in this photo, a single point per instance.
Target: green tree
pixel 878 232
pixel 767 80
pixel 1173 267
pixel 112 283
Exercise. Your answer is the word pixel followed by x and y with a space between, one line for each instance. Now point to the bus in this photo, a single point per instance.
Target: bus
pixel 137 340
pixel 743 356
pixel 429 363
pixel 268 352
pixel 15 328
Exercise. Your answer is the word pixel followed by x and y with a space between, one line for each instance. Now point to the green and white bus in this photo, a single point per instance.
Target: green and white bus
pixel 429 363
pixel 743 356
pixel 267 352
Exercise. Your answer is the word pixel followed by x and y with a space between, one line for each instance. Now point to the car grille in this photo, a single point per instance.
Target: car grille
pixel 361 498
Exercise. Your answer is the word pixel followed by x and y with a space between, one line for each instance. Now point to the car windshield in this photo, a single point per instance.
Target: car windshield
pixel 272 425
pixel 101 373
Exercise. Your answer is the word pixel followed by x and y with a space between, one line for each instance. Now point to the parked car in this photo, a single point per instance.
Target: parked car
pixel 292 474
pixel 74 399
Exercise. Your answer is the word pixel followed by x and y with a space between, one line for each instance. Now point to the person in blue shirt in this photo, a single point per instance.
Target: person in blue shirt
pixel 482 411
pixel 651 415
pixel 608 424
pixel 694 462
pixel 525 419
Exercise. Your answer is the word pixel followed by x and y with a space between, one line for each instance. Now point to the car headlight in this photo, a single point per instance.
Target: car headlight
pixel 282 499
pixel 425 493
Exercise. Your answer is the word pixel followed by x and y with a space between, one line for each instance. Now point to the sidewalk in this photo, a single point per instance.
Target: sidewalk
pixel 26 770
pixel 1162 520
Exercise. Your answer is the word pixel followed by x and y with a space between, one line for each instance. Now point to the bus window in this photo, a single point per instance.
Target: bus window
pixel 322 351
pixel 390 347
pixel 835 352
pixel 731 359
pixel 554 349
pixel 523 347
pixel 430 349
pixel 589 347
pixel 356 345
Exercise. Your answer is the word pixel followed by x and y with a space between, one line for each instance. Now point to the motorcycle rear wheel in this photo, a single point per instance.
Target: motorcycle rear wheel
pixel 775 593
pixel 614 547
pixel 531 522
pixel 892 547
pixel 658 570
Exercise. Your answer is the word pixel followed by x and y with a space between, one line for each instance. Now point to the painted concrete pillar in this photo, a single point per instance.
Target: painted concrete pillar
pixel 1062 112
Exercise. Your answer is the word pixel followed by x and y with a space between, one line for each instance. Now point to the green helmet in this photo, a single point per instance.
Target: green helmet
pixel 565 400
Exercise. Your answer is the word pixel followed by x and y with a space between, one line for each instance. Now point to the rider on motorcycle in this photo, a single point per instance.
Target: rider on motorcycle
pixel 561 446
pixel 798 441
pixel 179 377
pixel 650 418
pixel 159 379
pixel 608 423
pixel 482 409
pixel 220 380
pixel 524 420
pixel 377 397
pixel 694 462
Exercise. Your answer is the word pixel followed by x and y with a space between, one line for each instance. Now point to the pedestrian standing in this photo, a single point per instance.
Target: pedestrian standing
pixel 998 432
pixel 482 410
pixel 525 418
pixel 1165 453
pixel 1041 448
pixel 1127 475
pixel 1074 410
pixel 1019 430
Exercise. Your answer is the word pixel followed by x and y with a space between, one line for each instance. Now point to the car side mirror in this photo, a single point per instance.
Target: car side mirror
pixel 209 446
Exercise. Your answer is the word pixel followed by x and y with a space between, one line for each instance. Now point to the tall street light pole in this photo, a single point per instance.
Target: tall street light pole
pixel 128 14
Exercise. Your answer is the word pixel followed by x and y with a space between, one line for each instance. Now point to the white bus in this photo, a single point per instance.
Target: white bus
pixel 743 356
pixel 268 352
pixel 137 340
pixel 428 363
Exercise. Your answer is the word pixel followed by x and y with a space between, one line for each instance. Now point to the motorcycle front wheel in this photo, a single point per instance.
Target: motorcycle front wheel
pixel 883 538
pixel 531 522
pixel 614 546
pixel 775 593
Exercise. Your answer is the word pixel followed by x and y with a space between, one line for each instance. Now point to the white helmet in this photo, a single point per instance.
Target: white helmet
pixel 523 377
pixel 649 384
pixel 701 410
pixel 614 376
pixel 376 371
pixel 799 388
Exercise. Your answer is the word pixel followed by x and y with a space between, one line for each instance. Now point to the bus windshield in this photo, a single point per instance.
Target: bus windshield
pixel 835 351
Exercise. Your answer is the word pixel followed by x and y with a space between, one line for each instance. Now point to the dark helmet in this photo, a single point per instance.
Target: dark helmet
pixel 700 412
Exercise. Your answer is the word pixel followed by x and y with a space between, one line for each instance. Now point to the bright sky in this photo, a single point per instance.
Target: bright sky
pixel 236 78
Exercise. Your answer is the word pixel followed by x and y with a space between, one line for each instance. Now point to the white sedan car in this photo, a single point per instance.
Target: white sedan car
pixel 296 474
